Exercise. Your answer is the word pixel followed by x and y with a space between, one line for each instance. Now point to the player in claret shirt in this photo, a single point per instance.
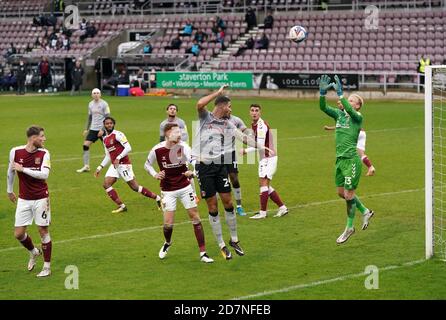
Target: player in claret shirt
pixel 117 149
pixel 173 157
pixel 31 162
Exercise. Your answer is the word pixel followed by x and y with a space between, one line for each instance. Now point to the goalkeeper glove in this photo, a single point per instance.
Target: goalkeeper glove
pixel 324 84
pixel 337 85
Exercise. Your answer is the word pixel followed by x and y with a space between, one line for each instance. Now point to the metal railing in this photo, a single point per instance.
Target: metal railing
pixel 167 7
pixel 330 66
pixel 179 61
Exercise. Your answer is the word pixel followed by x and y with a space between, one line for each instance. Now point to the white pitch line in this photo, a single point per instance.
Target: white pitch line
pixel 322 282
pixel 187 222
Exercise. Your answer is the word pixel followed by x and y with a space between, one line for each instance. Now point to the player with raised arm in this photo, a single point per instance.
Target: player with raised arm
pixel 98 110
pixel 267 163
pixel 117 149
pixel 212 141
pixel 31 163
pixel 233 166
pixel 360 147
pixel 348 164
pixel 173 157
pixel 172 110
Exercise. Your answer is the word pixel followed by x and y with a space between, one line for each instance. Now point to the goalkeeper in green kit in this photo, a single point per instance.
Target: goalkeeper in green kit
pixel 348 164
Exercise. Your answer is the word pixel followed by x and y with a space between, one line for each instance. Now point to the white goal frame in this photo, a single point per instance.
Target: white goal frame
pixel 428 145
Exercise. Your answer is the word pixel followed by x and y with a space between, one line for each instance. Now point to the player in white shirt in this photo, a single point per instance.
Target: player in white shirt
pixel 98 110
pixel 267 163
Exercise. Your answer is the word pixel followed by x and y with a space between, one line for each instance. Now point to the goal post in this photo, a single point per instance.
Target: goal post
pixel 435 161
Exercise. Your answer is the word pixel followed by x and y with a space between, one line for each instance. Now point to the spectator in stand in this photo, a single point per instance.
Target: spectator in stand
pixel 250 19
pixel 249 44
pixel 90 32
pixel 268 22
pixel 9 80
pixel 187 30
pixel 98 71
pixel 83 25
pixel 195 49
pixel 66 42
pixel 45 74
pixel 37 43
pixel 262 43
pixel 10 51
pixel 221 38
pixel 123 77
pixel 76 78
pixel 53 41
pixel 44 44
pixel 21 77
pixel 147 49
pixel 29 48
pixel 175 44
pixel 59 6
pixel 140 77
pixel 200 36
pixel 220 23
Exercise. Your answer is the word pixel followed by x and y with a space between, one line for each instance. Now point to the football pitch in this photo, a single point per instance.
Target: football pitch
pixel 293 257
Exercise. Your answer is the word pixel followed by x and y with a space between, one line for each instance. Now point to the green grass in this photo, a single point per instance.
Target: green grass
pixel 298 249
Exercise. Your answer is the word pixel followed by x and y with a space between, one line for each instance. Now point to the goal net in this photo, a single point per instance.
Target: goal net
pixel 435 164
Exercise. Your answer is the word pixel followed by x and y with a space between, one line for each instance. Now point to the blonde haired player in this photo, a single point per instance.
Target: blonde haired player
pixel 98 110
pixel 31 163
pixel 348 164
pixel 360 146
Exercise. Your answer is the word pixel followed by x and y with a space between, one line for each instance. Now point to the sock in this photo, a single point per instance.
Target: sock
pixel 114 196
pixel 238 196
pixel 46 248
pixel 199 235
pixel 27 242
pixel 263 198
pixel 214 220
pixel 351 207
pixel 275 197
pixel 262 213
pixel 366 161
pixel 231 221
pixel 146 192
pixel 167 230
pixel 86 156
pixel 360 206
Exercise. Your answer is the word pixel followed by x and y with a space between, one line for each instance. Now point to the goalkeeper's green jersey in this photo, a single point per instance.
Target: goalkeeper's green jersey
pixel 348 125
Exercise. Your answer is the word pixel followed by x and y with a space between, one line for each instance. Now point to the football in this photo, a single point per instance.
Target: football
pixel 298 34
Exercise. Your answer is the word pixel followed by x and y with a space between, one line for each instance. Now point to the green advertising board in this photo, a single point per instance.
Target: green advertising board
pixel 203 80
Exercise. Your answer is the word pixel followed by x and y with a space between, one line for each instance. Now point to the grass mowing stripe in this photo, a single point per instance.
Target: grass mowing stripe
pixel 187 222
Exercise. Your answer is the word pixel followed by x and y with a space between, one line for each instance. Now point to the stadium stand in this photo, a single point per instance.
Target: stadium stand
pixel 338 39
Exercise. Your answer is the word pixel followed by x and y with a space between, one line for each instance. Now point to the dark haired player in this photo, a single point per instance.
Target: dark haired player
pixel 267 163
pixel 173 157
pixel 117 149
pixel 32 164
pixel 172 110
pixel 210 145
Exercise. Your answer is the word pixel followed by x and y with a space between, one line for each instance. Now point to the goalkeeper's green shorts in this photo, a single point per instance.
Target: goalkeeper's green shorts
pixel 348 172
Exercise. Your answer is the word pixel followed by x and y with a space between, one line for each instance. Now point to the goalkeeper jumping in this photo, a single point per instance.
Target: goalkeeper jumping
pixel 348 163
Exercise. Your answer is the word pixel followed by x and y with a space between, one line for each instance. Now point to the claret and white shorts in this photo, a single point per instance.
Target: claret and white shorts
pixel 186 195
pixel 33 210
pixel 124 171
pixel 268 167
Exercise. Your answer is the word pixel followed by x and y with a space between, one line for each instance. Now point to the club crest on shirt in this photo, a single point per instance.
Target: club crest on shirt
pixel 37 161
pixel 111 141
pixel 203 194
pixel 20 160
